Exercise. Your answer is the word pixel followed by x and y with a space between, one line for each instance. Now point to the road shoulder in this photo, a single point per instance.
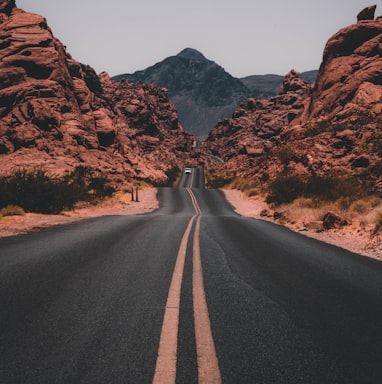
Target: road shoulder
pixel 351 237
pixel 120 204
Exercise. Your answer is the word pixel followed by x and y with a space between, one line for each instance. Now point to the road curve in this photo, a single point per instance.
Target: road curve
pixel 87 302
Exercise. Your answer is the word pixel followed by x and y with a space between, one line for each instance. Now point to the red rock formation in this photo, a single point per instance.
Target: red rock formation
pixel 148 123
pixel 350 76
pixel 57 113
pixel 335 128
pixel 249 141
pixel 342 121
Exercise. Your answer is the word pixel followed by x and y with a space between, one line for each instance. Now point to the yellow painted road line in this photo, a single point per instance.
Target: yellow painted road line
pixel 194 201
pixel 165 370
pixel 208 366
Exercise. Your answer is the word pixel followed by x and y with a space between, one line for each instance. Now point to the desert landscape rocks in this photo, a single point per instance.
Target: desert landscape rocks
pixel 334 126
pixel 251 142
pixel 57 113
pixel 332 220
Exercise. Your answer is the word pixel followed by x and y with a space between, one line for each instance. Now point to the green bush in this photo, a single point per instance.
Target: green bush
pixel 36 191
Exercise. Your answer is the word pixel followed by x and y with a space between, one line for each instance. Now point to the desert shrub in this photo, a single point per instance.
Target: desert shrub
pixel 377 222
pixel 36 191
pixel 240 183
pixel 344 202
pixel 360 206
pixel 378 219
pixel 216 179
pixel 264 177
pixel 332 187
pixel 244 185
pixel 285 189
pixel 12 210
pixel 251 192
pixel 324 188
pixel 173 175
pixel 304 202
pixel 286 154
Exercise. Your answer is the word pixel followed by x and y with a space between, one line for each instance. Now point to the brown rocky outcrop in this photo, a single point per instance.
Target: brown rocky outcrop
pixel 57 112
pixel 332 220
pixel 350 77
pixel 367 13
pixel 334 127
pixel 248 141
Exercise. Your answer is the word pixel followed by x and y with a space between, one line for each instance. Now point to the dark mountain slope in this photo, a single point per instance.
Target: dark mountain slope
pixel 202 91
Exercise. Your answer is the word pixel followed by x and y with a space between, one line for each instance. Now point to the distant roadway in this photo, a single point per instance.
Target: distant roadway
pixel 191 293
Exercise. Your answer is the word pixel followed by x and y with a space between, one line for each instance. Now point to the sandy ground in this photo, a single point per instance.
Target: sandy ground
pixel 120 204
pixel 352 237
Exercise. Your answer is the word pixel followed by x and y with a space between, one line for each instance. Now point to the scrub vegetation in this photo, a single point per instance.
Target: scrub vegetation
pixel 36 191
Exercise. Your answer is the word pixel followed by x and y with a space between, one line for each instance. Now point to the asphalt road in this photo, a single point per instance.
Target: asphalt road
pixel 89 302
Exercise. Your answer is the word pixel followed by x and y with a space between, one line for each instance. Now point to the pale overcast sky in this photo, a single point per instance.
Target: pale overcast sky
pixel 246 37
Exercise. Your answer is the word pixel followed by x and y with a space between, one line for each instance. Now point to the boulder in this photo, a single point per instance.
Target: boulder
pixel 367 13
pixel 6 6
pixel 332 220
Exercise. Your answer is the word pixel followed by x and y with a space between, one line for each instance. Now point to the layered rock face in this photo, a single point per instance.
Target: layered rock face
pixel 57 113
pixel 334 127
pixel 350 76
pixel 341 125
pixel 249 140
pixel 148 123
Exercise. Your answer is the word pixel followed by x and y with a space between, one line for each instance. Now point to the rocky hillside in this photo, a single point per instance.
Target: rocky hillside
pixel 202 91
pixel 57 113
pixel 333 127
pixel 249 141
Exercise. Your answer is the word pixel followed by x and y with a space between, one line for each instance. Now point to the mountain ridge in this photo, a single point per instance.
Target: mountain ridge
pixel 202 91
pixel 197 86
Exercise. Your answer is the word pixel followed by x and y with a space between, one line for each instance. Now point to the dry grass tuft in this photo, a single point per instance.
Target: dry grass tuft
pixel 366 212
pixel 12 210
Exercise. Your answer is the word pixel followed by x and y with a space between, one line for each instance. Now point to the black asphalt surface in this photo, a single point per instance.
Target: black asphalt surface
pixel 84 303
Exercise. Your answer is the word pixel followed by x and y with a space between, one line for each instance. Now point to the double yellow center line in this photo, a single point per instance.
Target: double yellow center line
pixel 208 367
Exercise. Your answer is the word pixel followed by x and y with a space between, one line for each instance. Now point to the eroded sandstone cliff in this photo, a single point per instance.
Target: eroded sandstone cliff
pixel 57 113
pixel 333 127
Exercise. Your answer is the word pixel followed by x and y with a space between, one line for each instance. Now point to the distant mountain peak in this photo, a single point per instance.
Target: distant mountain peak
pixel 190 53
